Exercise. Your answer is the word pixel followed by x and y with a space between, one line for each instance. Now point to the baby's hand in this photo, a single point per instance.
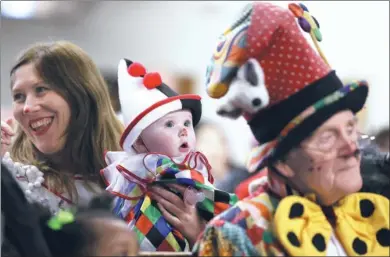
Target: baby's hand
pixel 6 135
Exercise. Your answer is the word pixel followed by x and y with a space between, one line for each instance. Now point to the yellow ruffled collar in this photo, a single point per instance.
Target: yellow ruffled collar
pixel 360 221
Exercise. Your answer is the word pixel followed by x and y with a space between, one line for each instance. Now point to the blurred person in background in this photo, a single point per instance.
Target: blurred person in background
pixel 375 167
pixel 64 123
pixel 382 140
pixel 212 141
pixel 31 230
pixel 112 83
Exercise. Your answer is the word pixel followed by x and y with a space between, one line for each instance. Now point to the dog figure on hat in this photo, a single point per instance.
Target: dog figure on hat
pixel 159 151
pixel 247 92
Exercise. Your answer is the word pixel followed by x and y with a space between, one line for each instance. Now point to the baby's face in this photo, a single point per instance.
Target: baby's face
pixel 172 135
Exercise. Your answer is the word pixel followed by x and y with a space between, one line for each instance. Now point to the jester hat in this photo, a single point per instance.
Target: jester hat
pixel 145 98
pixel 303 90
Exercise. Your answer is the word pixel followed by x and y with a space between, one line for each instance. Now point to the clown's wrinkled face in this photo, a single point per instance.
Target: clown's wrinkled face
pixel 172 135
pixel 328 163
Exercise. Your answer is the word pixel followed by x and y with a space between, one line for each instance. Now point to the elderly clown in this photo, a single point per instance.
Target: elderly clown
pixel 304 119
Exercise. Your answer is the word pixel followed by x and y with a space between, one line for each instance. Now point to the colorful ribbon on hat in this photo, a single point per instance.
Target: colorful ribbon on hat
pixel 228 56
pixel 259 155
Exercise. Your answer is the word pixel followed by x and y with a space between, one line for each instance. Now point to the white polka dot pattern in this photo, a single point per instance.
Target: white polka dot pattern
pixel 288 60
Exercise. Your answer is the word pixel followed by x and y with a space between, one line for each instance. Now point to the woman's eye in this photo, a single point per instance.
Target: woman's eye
pixel 169 124
pixel 18 97
pixel 187 123
pixel 41 89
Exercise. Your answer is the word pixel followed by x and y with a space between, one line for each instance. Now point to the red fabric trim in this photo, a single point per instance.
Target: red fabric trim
pixel 151 108
pixel 76 177
pixel 104 156
pixel 104 179
pixel 187 159
pixel 58 194
pixel 242 190
pixel 129 173
pixel 124 170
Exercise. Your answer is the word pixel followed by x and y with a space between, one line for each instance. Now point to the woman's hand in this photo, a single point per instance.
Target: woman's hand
pixel 183 216
pixel 6 135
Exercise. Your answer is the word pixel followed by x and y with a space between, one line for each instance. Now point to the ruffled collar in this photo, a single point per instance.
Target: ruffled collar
pixel 127 175
pixel 278 188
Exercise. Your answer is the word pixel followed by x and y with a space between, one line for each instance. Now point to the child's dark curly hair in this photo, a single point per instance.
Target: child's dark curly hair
pixel 79 237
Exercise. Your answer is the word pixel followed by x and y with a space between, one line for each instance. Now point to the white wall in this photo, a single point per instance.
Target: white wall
pixel 180 36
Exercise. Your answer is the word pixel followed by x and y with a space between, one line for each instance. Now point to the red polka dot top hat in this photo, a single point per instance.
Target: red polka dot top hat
pixel 145 98
pixel 264 68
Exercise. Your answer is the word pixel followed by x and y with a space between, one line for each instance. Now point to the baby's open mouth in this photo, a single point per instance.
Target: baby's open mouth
pixel 184 147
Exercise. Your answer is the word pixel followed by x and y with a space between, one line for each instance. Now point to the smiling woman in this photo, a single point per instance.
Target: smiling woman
pixel 64 123
pixel 42 113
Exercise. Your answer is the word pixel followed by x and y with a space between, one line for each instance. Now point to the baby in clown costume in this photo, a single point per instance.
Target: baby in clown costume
pixel 159 148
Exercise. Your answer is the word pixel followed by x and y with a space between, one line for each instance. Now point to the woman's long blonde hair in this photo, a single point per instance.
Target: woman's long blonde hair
pixel 93 126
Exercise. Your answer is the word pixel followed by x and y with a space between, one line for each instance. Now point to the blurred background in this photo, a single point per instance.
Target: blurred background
pixel 177 39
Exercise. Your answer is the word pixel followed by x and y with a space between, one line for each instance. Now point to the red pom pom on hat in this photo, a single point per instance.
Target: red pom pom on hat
pixel 136 69
pixel 152 80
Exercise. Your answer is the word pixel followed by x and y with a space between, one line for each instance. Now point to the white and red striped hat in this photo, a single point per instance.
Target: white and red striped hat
pixel 145 98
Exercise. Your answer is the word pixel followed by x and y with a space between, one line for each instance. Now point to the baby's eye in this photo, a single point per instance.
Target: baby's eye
pixel 169 124
pixel 187 123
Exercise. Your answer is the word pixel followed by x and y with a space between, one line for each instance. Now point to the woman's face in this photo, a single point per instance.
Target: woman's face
pixel 41 112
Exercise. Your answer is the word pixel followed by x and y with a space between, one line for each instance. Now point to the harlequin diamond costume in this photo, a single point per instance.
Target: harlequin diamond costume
pixel 297 93
pixel 145 99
